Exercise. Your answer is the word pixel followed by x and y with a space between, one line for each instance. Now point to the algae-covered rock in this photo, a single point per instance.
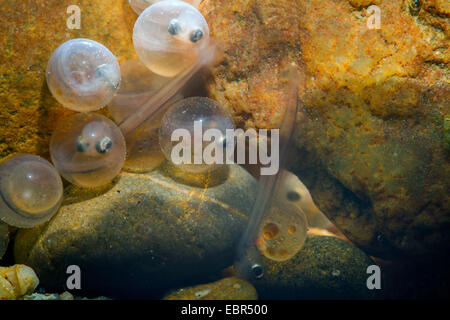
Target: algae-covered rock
pixel 447 133
pixel 325 268
pixel 370 130
pixel 31 31
pixel 143 234
pixel 4 238
pixel 226 289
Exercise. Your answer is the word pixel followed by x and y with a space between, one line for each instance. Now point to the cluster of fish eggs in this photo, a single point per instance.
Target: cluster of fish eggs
pixel 89 150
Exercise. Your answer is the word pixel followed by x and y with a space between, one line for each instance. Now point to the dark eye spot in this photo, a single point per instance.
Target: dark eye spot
pixel 293 196
pixel 196 35
pixel 258 271
pixel 82 144
pixel 174 27
pixel 104 145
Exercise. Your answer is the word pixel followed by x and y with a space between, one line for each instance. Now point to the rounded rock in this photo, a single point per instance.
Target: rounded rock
pixel 225 289
pixel 144 234
pixel 374 162
pixel 325 268
pixel 4 238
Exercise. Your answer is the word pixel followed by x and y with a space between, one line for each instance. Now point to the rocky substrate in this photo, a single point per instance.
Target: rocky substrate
pixel 372 146
pixel 142 234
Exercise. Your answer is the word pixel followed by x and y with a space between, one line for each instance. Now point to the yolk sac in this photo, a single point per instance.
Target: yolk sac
pixel 83 75
pixel 140 5
pixel 31 191
pixel 169 36
pixel 283 232
pixel 184 130
pixel 88 149
pixel 294 191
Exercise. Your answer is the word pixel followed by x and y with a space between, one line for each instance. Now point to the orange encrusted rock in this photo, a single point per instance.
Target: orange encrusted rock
pixel 370 134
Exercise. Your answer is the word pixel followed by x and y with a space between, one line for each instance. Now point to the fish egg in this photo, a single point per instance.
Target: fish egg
pixel 31 191
pixel 169 36
pixel 283 232
pixel 193 134
pixel 88 149
pixel 83 75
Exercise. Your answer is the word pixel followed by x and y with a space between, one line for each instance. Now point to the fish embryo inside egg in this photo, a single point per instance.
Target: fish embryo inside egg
pixel 194 117
pixel 283 232
pixel 88 149
pixel 169 36
pixel 31 190
pixel 83 75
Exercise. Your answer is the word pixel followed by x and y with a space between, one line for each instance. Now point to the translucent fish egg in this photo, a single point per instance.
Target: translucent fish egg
pixel 282 233
pixel 169 36
pixel 83 75
pixel 185 136
pixel 88 149
pixel 31 191
pixel 140 5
